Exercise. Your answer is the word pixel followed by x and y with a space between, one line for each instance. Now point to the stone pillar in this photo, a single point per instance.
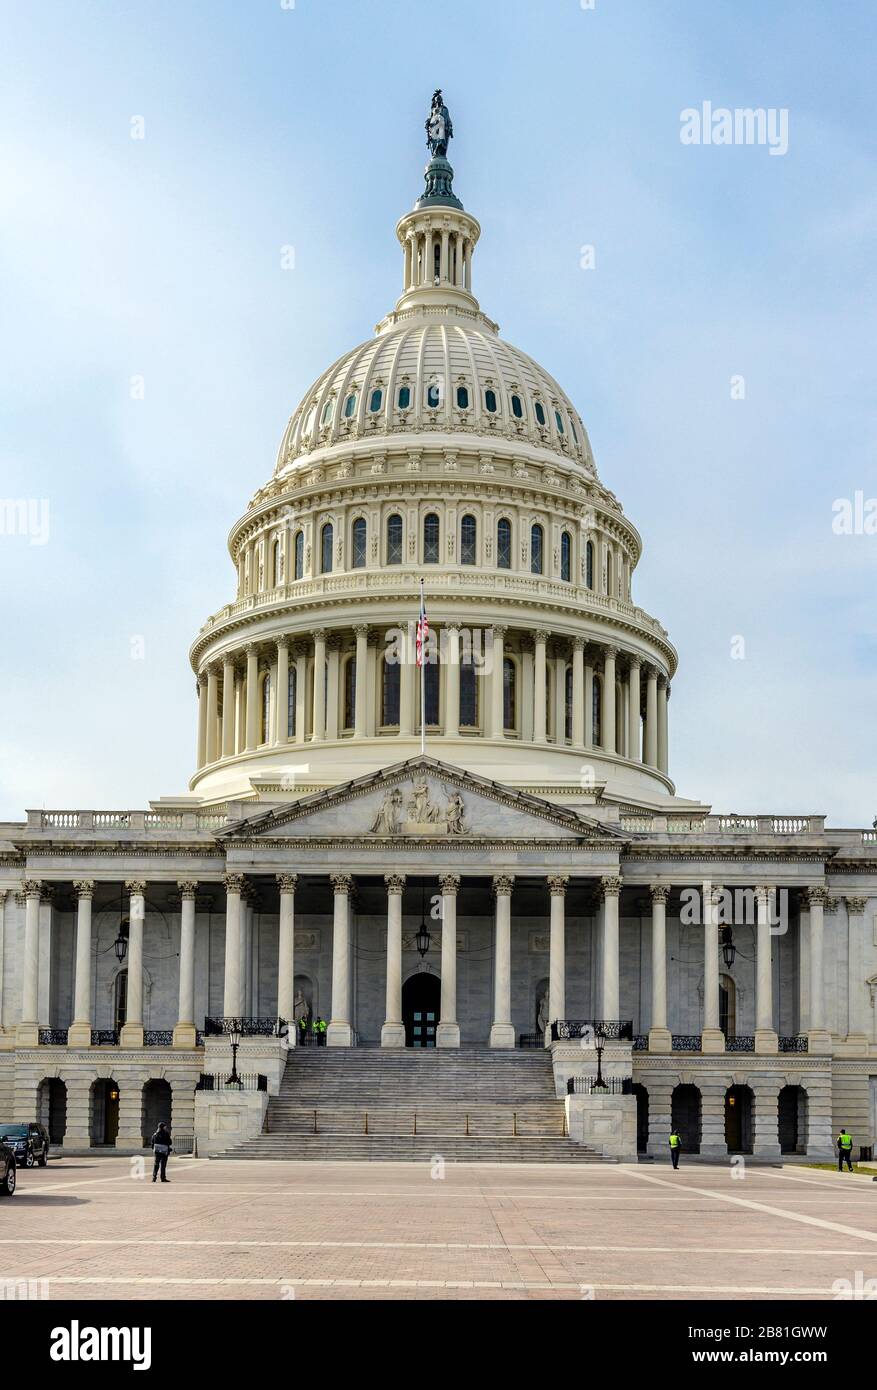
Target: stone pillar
pixel 712 1037
pixel 212 713
pixel 452 682
pixel 495 724
pixel 393 1030
pixel 340 1030
pixel 79 1032
pixel 858 1036
pixel 232 998
pixel 409 698
pixel 502 1033
pixel 360 717
pixel 610 891
pixel 130 1135
pixel 131 1034
pixel 184 1031
pixel 228 708
pixel 662 749
pixel 713 1088
pixel 608 707
pixel 318 708
pixel 286 953
pixel 252 696
pixel 660 1038
pixel 202 719
pixel 660 1091
pixel 578 692
pixel 443 258
pixel 556 952
pixel 650 754
pixel 766 1040
pixel 281 695
pixel 539 705
pixel 765 1116
pixel 448 1031
pixel 589 700
pixel 634 720
pixel 301 692
pixel 819 1038
pixel 333 695
pixel 77 1134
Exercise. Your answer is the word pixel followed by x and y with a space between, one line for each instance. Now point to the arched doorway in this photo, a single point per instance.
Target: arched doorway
pixel 421 1005
pixel 157 1102
pixel 104 1111
pixel 52 1107
pixel 685 1117
pixel 738 1120
pixel 793 1120
pixel 642 1117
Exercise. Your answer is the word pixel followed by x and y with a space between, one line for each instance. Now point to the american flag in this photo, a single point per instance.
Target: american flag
pixel 422 629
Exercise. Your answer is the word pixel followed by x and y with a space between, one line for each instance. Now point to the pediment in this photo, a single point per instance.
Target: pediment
pixel 422 800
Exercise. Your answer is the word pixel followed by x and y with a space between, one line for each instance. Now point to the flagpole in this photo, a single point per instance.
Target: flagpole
pixel 422 681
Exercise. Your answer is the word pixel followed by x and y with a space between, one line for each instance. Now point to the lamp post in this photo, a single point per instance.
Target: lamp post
pixel 234 1030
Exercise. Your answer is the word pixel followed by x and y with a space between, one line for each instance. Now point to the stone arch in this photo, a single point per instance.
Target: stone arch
pixel 103 1110
pixel 686 1115
pixel 156 1104
pixel 52 1106
pixel 739 1117
pixel 793 1118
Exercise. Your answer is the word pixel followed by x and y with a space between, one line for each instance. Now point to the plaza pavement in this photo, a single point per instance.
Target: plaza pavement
pixel 273 1230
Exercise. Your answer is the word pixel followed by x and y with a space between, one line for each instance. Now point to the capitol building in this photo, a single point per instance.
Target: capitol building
pixel 465 853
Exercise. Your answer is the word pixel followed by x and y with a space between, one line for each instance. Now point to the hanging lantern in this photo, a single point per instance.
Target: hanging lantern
pixel 729 950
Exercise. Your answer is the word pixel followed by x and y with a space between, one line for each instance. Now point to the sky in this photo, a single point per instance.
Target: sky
pixel 719 340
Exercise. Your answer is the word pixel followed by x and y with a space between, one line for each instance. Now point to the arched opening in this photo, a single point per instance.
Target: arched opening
pixel 565 557
pixel 52 1107
pixel 504 544
pixel 431 539
pixel 468 541
pixel 468 693
pixel 738 1120
pixel 359 543
pixel 642 1117
pixel 589 564
pixel 610 572
pixel 431 676
pixel 290 702
pixel 536 547
pixel 597 710
pixel 277 562
pixel 265 730
pixel 104 1107
pixel 727 1006
pixel 421 1005
pixel 567 697
pixel 304 1007
pixel 157 1105
pixel 326 542
pixel 509 695
pixel 394 539
pixel 350 692
pixel 390 688
pixel 685 1116
pixel 793 1120
pixel 299 555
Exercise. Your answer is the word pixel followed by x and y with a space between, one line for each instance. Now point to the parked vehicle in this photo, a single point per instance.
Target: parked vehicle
pixel 7 1171
pixel 29 1142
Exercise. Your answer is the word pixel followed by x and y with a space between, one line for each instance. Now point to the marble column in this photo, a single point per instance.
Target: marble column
pixel 409 691
pixel 340 1030
pixel 393 1030
pixel 589 700
pixel 79 1032
pixel 578 692
pixel 608 707
pixel 650 753
pixel 232 997
pixel 202 718
pixel 333 698
pixel 286 953
pixel 228 708
pixel 712 1037
pixel 281 694
pixel 610 892
pixel 184 1031
pixel 859 1031
pixel 634 719
pixel 662 741
pixel 131 1034
pixel 819 1038
pixel 301 692
pixel 540 734
pixel 765 1116
pixel 212 713
pixel 660 1039
pixel 252 696
pixel 452 682
pixel 556 952
pixel 495 724
pixel 360 715
pixel 766 1040
pixel 318 709
pixel 448 1031
pixel 502 1033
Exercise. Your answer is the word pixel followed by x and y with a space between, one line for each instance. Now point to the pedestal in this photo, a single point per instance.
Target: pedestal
pixel 447 1035
pixel 393 1035
pixel 184 1035
pixel 502 1035
pixel 660 1040
pixel 27 1035
pixel 766 1042
pixel 339 1035
pixel 131 1035
pixel 819 1042
pixel 79 1035
pixel 712 1040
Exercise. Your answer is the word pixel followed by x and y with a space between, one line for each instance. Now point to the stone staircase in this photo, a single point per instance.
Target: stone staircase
pixel 471 1104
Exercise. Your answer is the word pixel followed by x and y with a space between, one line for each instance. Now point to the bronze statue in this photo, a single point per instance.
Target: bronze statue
pixel 439 128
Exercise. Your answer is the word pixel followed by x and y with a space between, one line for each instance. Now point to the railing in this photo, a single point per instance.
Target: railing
pixel 608 1086
pixel 640 1042
pixel 247 1081
pixel 248 1027
pixel 498 1124
pixel 686 1042
pixel 531 1040
pixel 593 1030
pixel 799 1043
pixel 104 1037
pixel 744 1042
pixel 158 1037
pixel 56 1037
pixel 183 1141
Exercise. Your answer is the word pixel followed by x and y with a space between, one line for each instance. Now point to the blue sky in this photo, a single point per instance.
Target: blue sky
pixel 266 127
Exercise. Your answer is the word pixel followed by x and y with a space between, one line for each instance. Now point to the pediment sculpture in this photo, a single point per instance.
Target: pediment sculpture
pixel 423 816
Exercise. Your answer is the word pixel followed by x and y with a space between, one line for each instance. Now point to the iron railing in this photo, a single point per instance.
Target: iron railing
pixel 743 1042
pixel 800 1043
pixel 249 1081
pixel 531 1040
pixel 640 1042
pixel 49 1037
pixel 595 1030
pixel 104 1037
pixel 686 1042
pixel 594 1086
pixel 249 1027
pixel 158 1037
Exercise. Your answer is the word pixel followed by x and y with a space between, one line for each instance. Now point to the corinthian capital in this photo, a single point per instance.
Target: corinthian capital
pixel 557 884
pixel 610 887
pixel 660 892
pixel 84 888
pixel 503 885
pixel 287 882
pixel 450 884
pixel 341 883
pixel 395 883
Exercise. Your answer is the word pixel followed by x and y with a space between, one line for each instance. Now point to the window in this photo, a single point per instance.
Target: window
pixel 517 408
pixel 565 557
pixel 431 539
pixel 572 429
pixel 390 685
pixel 610 572
pixel 597 710
pixel 277 561
pixel 404 397
pixel 309 420
pixel 468 540
pixel 540 412
pixel 509 694
pixel 327 413
pixel 490 402
pixel 350 405
pixel 350 693
pixel 504 544
pixel 120 1010
pixel 359 536
pixel 394 539
pixel 468 693
pixel 536 537
pixel 290 703
pixel 558 421
pixel 375 401
pixel 462 398
pixel 266 710
pixel 299 554
pixel 326 539
pixel 433 396
pixel 567 723
pixel 431 676
pixel 589 564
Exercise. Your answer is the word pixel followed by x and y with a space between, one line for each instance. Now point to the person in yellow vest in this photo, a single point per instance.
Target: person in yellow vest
pixel 319 1027
pixel 675 1146
pixel 844 1150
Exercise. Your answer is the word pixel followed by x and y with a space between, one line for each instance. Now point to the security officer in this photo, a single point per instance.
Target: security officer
pixel 302 1029
pixel 844 1150
pixel 319 1026
pixel 675 1146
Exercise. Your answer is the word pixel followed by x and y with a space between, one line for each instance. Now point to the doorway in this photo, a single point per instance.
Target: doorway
pixel 685 1117
pixel 421 1006
pixel 104 1112
pixel 792 1120
pixel 738 1120
pixel 642 1118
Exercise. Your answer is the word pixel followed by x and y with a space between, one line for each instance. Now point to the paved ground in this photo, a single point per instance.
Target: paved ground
pixel 263 1230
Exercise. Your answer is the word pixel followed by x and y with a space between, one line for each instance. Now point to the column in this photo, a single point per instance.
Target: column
pixel 281 695
pixel 79 1032
pixel 559 695
pixel 409 698
pixel 27 1033
pixel 663 697
pixel 712 1037
pixel 362 687
pixel 444 257
pixel 858 1033
pixel 286 954
pixel 502 1033
pixel 495 724
pixel 406 276
pixel 608 708
pixel 301 692
pixel 318 715
pixel 765 1035
pixel 765 1116
pixel 393 1030
pixel 231 998
pixel 660 1115
pixel 660 1039
pixel 212 713
pixel 228 701
pixel 650 755
pixel 184 1029
pixel 819 1038
pixel 539 711
pixel 610 892
pixel 202 719
pixel 634 720
pixel 589 701
pixel 452 682
pixel 333 693
pixel 556 953
pixel 252 696
pixel 448 1031
pixel 131 1034
pixel 578 691
pixel 340 1030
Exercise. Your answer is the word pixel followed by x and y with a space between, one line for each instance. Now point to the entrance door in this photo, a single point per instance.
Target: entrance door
pixel 421 1003
pixel 738 1120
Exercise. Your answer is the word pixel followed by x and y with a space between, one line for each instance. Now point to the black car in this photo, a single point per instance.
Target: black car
pixel 7 1171
pixel 29 1142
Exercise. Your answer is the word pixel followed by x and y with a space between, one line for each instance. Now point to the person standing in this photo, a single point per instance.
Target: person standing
pixel 675 1146
pixel 161 1147
pixel 844 1150
pixel 319 1027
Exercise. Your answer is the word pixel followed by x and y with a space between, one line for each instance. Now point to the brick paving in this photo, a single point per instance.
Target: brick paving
pixel 93 1229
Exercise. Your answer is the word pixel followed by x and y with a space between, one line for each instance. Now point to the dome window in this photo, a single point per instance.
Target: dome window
pixel 299 555
pixel 394 539
pixel 359 539
pixel 350 405
pixel 589 564
pixel 433 396
pixel 327 413
pixel 540 412
pixel 326 538
pixel 565 557
pixel 572 430
pixel 404 397
pixel 374 404
pixel 468 541
pixel 504 544
pixel 462 398
pixel 558 421
pixel 536 539
pixel 490 402
pixel 309 420
pixel 517 408
pixel 390 694
pixel 509 693
pixel 431 539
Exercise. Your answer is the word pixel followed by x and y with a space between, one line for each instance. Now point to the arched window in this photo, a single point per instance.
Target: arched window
pixel 277 561
pixel 404 397
pixel 350 693
pixel 359 537
pixel 376 401
pixel 509 694
pixel 390 684
pixel 299 555
pixel 504 544
pixel 597 710
pixel 290 702
pixel 327 413
pixel 468 540
pixel 610 572
pixel 326 540
pixel 468 692
pixel 536 539
pixel 540 412
pixel 565 556
pixel 558 420
pixel 394 539
pixel 433 396
pixel 517 408
pixel 462 398
pixel 350 405
pixel 568 704
pixel 572 427
pixel 430 539
pixel 266 710
pixel 490 402
pixel 589 564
